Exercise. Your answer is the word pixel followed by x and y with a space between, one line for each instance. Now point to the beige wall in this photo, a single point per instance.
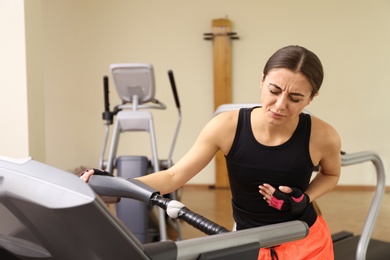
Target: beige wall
pixel 79 39
pixel 35 80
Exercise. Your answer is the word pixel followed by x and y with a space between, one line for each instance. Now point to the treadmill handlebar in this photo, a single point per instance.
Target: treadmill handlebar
pixel 135 189
pixel 121 187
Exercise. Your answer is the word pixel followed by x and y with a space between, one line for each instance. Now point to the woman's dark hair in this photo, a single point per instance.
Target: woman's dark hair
pixel 298 59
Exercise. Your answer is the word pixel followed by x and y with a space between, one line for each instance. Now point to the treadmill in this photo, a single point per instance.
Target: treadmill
pixel 48 213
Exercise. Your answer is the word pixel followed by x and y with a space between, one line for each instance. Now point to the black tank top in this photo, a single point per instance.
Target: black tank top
pixel 250 164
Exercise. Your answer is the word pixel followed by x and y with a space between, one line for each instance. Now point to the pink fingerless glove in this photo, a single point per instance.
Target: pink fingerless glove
pixel 295 202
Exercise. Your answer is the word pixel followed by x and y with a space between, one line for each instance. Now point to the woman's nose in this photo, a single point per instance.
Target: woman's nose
pixel 281 102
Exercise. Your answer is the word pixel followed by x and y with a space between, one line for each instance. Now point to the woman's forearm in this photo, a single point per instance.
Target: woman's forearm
pixel 321 184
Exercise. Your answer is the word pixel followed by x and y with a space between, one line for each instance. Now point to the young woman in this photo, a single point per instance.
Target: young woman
pixel 270 154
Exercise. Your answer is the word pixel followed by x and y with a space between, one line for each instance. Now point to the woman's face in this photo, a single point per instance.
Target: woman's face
pixel 284 95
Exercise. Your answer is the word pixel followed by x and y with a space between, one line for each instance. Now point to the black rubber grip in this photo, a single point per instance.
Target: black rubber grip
pixel 197 221
pixel 174 90
pixel 201 223
pixel 160 201
pixel 106 94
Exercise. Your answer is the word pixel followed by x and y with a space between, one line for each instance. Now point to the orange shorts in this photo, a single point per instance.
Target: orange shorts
pixel 316 246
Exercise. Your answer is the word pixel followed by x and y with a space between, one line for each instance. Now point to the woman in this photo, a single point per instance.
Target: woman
pixel 270 154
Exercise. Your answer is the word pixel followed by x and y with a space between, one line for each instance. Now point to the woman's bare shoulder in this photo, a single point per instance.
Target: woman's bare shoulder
pixel 323 133
pixel 221 129
pixel 226 119
pixel 319 124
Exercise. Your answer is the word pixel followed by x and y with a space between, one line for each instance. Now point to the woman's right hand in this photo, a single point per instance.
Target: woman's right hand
pixel 86 174
pixel 89 172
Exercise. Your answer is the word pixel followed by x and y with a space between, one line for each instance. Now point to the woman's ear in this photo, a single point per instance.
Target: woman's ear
pixel 262 80
pixel 312 97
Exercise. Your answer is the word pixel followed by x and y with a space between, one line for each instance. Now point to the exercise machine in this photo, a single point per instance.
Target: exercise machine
pixel 349 246
pixel 48 213
pixel 346 244
pixel 135 85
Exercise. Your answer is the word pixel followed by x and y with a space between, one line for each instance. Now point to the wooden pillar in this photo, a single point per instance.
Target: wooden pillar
pixel 221 36
pixel 222 62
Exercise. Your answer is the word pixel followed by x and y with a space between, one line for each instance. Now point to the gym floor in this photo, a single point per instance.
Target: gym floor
pixel 344 209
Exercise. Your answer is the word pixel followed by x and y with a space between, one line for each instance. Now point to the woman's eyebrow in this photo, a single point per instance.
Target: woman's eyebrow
pixel 292 93
pixel 276 86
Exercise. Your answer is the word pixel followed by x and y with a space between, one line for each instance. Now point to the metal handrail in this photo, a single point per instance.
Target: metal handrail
pixel 360 157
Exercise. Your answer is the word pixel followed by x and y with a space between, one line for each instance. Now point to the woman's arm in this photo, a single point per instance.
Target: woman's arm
pixel 217 134
pixel 325 148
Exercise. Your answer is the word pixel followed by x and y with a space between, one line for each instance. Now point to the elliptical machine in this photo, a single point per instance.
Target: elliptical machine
pixel 135 86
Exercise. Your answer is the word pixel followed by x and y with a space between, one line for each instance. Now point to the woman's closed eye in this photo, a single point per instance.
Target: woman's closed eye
pixel 293 97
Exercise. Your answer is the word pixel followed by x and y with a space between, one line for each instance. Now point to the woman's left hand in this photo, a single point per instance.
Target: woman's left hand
pixel 267 191
pixel 285 198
